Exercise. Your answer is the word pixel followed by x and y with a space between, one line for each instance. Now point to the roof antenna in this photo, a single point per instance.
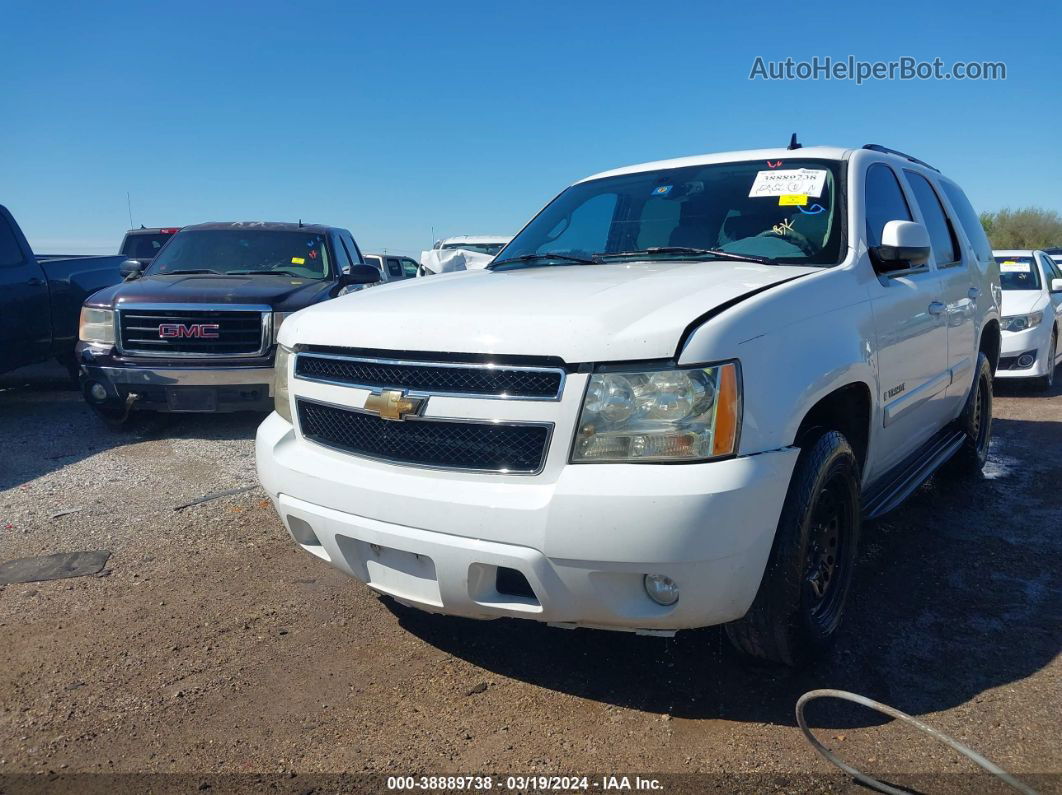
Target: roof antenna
pixel 793 143
pixel 300 223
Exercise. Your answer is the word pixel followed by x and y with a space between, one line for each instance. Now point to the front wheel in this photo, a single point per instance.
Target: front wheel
pixel 1045 382
pixel 798 608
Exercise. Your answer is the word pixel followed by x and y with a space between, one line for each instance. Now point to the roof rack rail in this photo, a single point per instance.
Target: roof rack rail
pixel 886 150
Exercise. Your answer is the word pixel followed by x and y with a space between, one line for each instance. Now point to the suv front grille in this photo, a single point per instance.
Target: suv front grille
pixel 479 380
pixel 516 447
pixel 166 331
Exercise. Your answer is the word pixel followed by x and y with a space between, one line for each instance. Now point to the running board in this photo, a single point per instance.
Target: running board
pixel 898 484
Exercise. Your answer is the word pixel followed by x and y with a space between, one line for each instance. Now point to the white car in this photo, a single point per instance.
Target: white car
pixel 461 253
pixel 668 403
pixel 1032 315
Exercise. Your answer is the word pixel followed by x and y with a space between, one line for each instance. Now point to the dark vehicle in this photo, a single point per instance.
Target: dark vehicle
pixel 144 244
pixel 393 268
pixel 40 298
pixel 196 329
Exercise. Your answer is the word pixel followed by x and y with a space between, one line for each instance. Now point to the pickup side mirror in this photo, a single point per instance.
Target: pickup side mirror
pixel 904 244
pixel 131 268
pixel 1056 285
pixel 359 275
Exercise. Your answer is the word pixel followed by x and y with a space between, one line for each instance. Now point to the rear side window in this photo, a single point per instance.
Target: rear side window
pixel 969 220
pixel 143 246
pixel 10 250
pixel 394 268
pixel 884 201
pixel 941 236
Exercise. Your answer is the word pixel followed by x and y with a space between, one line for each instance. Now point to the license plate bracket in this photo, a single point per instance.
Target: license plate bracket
pixel 192 399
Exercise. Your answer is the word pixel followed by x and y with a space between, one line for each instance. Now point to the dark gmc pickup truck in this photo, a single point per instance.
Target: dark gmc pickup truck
pixel 196 329
pixel 40 298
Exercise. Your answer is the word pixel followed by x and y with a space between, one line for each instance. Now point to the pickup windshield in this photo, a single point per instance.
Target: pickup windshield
pixel 1018 273
pixel 786 211
pixel 234 251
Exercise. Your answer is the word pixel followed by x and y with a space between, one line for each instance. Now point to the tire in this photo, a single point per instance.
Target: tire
pixel 1045 382
pixel 800 603
pixel 975 422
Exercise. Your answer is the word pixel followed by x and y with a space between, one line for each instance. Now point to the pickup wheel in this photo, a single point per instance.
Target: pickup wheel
pixel 802 595
pixel 975 422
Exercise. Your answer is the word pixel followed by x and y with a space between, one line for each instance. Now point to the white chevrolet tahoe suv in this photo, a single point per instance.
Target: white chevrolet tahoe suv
pixel 668 403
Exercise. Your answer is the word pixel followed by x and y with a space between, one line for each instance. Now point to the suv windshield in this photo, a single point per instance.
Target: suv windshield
pixel 1018 273
pixel 143 245
pixel 233 251
pixel 787 211
pixel 482 248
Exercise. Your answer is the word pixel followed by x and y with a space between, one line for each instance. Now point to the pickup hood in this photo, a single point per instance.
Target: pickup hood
pixel 579 313
pixel 1022 302
pixel 283 293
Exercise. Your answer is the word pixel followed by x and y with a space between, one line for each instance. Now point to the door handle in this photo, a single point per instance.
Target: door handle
pixel 936 308
pixel 35 282
pixel 974 293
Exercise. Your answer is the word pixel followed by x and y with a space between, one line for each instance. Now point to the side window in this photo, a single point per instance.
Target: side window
pixel 10 250
pixel 375 262
pixel 342 258
pixel 394 268
pixel 409 267
pixel 884 202
pixel 1050 269
pixel 941 235
pixel 969 220
pixel 352 248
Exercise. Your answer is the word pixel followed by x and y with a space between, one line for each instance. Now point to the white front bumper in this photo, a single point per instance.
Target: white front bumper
pixel 583 535
pixel 1014 343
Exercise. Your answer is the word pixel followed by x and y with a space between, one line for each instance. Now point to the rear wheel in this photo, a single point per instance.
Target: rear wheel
pixel 1045 382
pixel 976 422
pixel 802 596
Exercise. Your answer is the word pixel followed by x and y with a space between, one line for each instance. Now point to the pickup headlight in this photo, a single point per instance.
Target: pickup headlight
pixel 278 321
pixel 1022 322
pixel 679 414
pixel 281 398
pixel 96 325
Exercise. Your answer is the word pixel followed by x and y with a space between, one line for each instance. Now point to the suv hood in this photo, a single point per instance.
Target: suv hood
pixel 282 293
pixel 581 313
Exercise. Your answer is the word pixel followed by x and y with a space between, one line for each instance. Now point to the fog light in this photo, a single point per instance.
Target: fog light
pixel 1026 360
pixel 99 394
pixel 662 590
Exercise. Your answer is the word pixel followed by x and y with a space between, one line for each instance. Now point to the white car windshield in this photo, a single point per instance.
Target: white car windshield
pixel 787 211
pixel 1018 273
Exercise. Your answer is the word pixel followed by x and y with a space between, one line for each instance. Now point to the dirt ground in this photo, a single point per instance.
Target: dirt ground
pixel 213 646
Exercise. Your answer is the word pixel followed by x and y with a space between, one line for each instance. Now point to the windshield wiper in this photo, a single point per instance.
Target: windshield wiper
pixel 262 273
pixel 191 270
pixel 548 255
pixel 707 253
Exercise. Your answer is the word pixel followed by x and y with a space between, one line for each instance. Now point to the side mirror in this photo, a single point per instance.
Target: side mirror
pixel 130 268
pixel 359 274
pixel 1056 285
pixel 903 244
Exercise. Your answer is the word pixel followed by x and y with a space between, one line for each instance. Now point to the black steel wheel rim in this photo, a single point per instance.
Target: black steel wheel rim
pixel 980 425
pixel 826 563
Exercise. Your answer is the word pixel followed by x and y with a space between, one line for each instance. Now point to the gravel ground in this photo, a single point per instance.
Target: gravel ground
pixel 213 646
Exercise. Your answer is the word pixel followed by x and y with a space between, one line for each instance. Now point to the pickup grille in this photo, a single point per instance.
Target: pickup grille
pixel 533 383
pixel 193 332
pixel 518 448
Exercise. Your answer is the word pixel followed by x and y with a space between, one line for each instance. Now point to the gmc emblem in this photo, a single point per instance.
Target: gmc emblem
pixel 203 331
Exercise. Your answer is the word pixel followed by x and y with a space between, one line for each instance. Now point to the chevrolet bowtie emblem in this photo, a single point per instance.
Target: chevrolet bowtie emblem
pixel 392 404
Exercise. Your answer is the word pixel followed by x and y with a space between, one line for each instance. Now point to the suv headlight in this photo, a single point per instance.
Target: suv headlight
pixel 678 414
pixel 281 398
pixel 1022 322
pixel 96 325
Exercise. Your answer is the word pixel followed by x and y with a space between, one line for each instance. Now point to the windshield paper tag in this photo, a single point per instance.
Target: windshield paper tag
pixel 298 261
pixel 1015 267
pixel 789 182
pixel 792 200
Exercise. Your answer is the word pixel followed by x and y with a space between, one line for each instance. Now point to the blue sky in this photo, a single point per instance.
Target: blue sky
pixel 390 119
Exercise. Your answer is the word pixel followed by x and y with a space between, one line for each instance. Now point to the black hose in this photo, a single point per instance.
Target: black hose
pixel 885 709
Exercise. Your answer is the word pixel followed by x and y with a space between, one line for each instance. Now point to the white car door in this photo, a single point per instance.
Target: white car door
pixel 1052 271
pixel 912 335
